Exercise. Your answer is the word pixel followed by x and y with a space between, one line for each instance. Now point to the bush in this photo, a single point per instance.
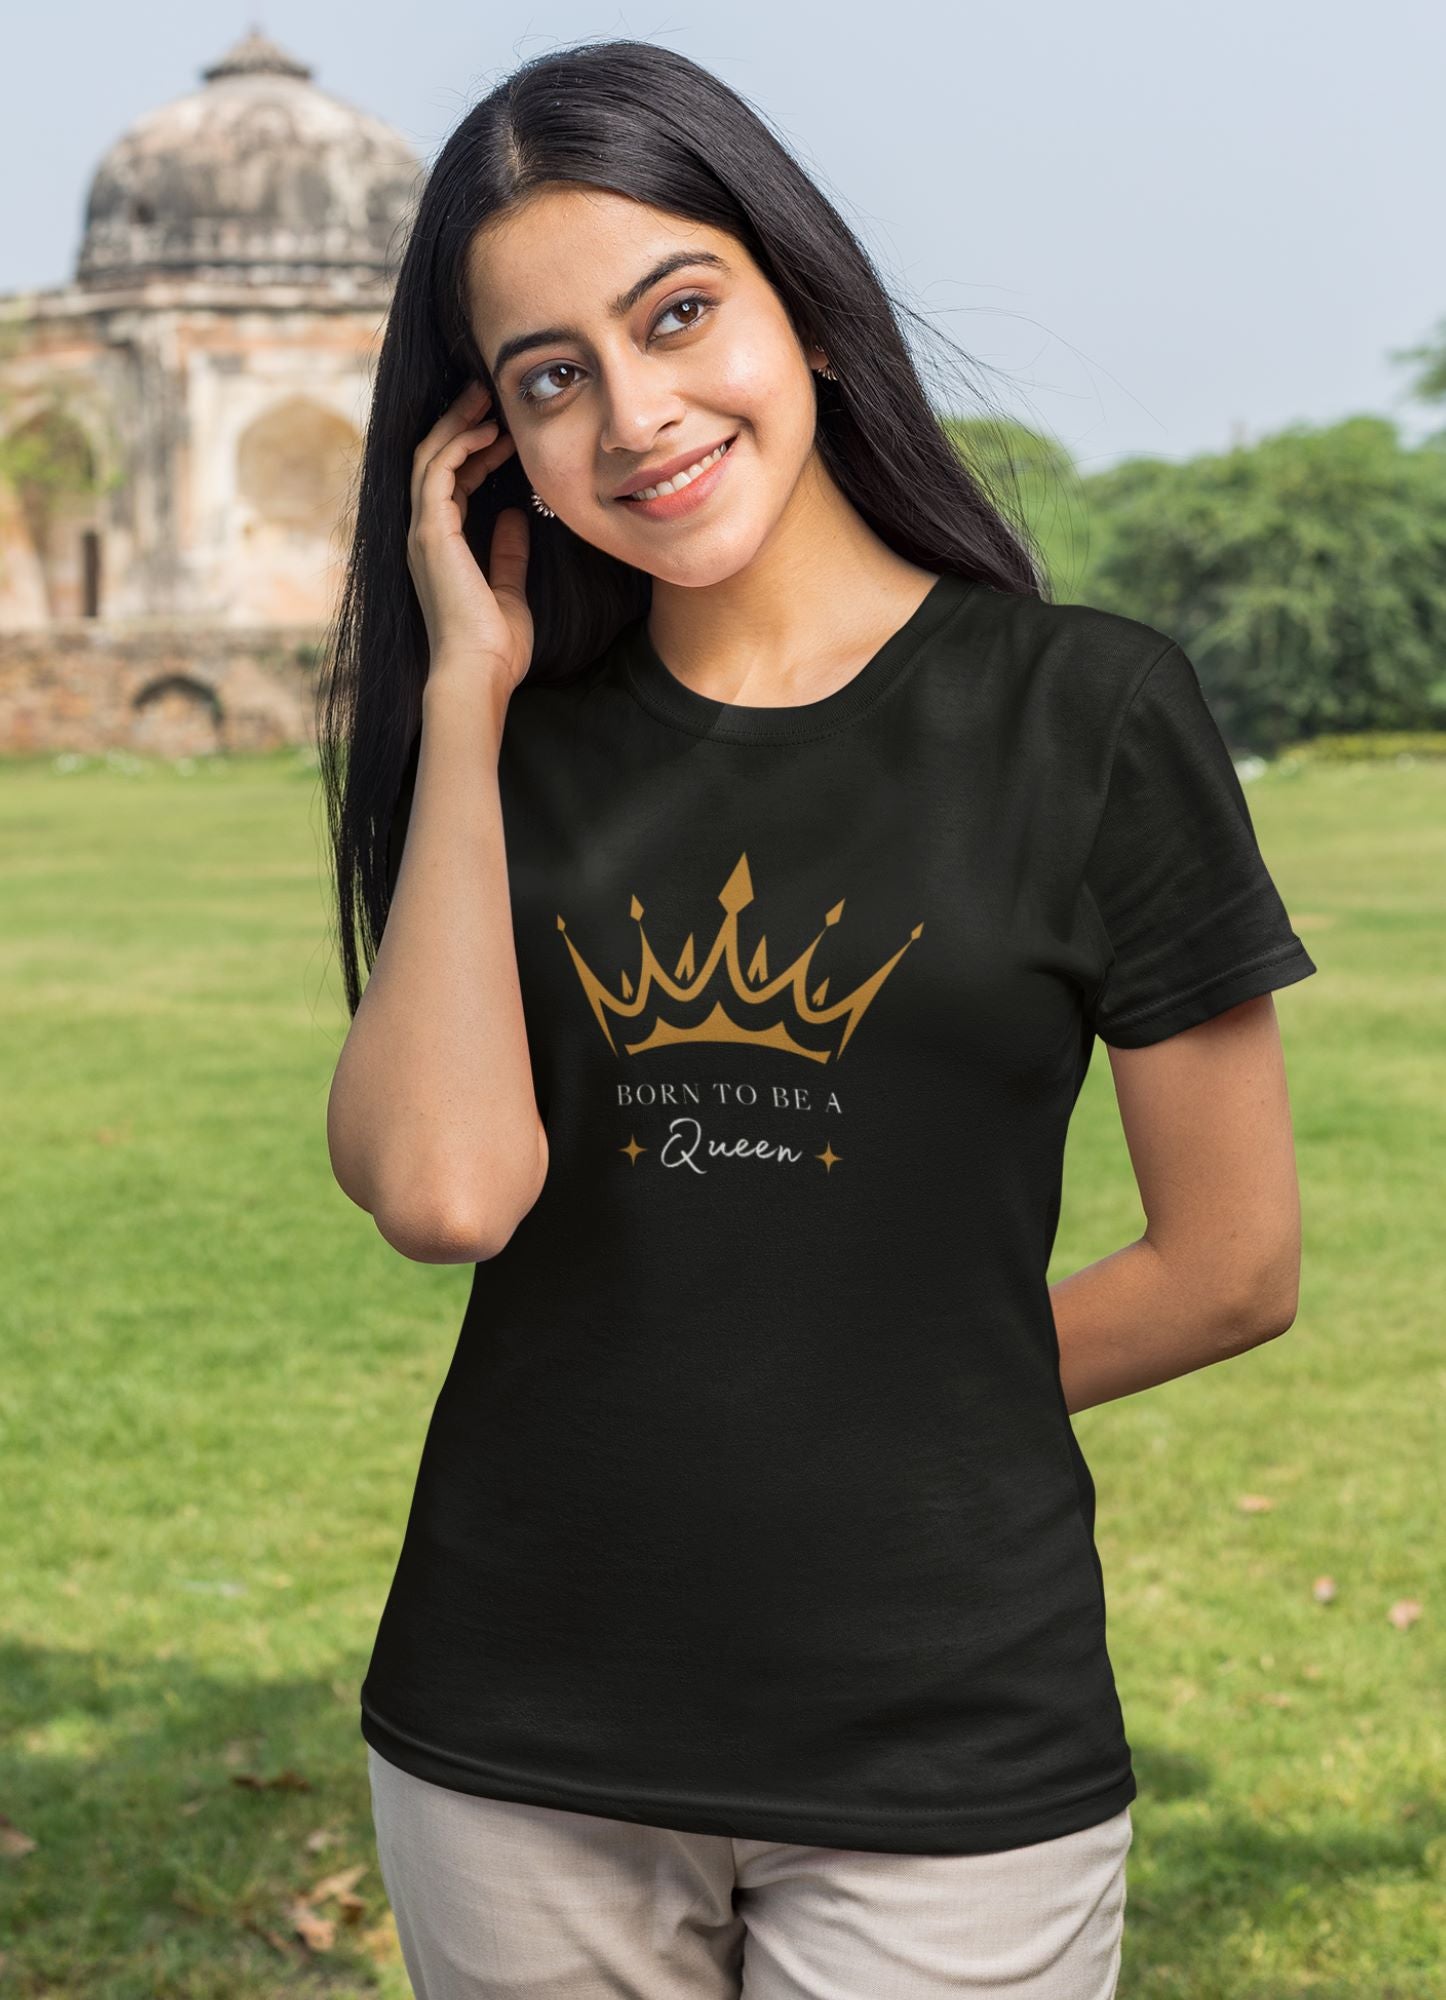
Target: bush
pixel 1304 575
pixel 1380 746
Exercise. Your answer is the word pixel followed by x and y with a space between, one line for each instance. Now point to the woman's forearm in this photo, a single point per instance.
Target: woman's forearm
pixel 433 1124
pixel 1139 1317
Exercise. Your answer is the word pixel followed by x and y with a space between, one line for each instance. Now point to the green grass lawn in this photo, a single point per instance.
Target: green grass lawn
pixel 217 1379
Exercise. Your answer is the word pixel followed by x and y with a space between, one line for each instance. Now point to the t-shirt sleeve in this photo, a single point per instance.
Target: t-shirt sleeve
pixel 1193 920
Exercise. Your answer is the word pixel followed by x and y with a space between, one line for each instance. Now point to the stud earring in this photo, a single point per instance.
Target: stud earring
pixel 543 508
pixel 827 373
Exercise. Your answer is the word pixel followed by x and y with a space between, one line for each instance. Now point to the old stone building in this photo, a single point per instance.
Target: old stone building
pixel 180 424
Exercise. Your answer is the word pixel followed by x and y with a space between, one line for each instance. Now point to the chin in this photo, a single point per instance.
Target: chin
pixel 694 576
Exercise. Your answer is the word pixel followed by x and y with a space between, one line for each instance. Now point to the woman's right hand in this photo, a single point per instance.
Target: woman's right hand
pixel 476 625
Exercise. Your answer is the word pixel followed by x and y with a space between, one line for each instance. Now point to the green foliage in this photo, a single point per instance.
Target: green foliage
pixel 1304 575
pixel 1030 478
pixel 1383 746
pixel 1001 450
pixel 49 454
pixel 1429 384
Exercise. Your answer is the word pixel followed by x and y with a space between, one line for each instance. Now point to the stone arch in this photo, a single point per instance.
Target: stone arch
pixel 295 466
pixel 54 525
pixel 176 715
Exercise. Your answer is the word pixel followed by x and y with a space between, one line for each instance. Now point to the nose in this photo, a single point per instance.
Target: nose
pixel 641 403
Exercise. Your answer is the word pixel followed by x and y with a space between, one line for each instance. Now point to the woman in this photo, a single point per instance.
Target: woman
pixel 759 854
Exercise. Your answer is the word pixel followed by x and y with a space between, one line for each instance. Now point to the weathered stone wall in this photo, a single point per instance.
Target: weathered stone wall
pixel 182 421
pixel 171 693
pixel 216 448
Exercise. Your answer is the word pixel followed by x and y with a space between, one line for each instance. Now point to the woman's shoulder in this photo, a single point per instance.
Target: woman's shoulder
pixel 1077 665
pixel 1089 636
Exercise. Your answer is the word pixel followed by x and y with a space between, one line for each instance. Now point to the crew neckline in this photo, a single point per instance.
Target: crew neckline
pixel 660 691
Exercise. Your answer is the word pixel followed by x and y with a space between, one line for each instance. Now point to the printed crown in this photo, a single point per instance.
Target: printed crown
pixel 655 990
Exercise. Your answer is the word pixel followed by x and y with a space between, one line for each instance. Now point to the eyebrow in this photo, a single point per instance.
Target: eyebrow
pixel 622 304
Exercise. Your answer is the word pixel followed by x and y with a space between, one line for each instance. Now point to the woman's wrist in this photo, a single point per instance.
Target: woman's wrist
pixel 466 690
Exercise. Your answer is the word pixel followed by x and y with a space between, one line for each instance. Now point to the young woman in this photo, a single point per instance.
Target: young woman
pixel 759 853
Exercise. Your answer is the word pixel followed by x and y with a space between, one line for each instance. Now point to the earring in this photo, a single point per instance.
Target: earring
pixel 827 373
pixel 543 508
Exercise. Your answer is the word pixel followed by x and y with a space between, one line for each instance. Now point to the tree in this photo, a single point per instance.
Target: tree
pixel 1305 576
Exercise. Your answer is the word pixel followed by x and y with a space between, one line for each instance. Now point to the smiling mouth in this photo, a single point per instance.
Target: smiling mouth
pixel 684 478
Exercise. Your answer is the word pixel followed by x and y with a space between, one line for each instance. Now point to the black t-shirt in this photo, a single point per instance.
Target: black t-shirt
pixel 750 1503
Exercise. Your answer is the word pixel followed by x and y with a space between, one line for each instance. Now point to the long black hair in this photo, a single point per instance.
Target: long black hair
pixel 641 121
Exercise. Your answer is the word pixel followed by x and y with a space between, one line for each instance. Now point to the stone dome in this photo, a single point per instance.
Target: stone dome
pixel 258 176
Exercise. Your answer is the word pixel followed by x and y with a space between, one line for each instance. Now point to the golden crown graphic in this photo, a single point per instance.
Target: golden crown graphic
pixel 755 988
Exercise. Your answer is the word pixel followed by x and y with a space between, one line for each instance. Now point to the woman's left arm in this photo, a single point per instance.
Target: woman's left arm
pixel 1206 1117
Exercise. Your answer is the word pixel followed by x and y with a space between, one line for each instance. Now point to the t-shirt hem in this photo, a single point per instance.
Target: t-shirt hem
pixel 878 1830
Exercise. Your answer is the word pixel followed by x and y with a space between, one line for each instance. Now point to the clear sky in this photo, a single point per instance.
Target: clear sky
pixel 1153 226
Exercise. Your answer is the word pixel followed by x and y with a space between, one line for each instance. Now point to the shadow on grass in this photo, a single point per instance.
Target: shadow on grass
pixel 1197 1889
pixel 169 1858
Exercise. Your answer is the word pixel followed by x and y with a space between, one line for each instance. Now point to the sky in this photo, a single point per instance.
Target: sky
pixel 1154 228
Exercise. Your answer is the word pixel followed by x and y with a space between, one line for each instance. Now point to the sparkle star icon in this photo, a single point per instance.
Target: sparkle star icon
pixel 828 1155
pixel 632 1149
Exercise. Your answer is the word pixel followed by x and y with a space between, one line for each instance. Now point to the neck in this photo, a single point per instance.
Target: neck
pixel 816 601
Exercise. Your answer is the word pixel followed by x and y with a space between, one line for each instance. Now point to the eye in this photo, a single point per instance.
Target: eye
pixel 527 393
pixel 527 389
pixel 693 299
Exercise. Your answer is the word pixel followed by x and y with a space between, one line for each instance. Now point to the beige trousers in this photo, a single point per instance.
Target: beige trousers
pixel 494 1898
